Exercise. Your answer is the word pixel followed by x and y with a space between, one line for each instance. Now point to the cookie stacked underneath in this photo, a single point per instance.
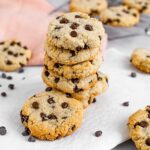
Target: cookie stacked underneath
pixel 73 57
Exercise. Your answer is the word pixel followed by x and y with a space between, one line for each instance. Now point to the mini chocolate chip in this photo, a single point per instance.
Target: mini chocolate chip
pixel 57 65
pixel 23 118
pixel 5 49
pixel 11 86
pixel 1 43
pixel 88 27
pixel 64 117
pixel 126 11
pixel 149 115
pixel 21 54
pixel 48 89
pixel 133 74
pixel 35 105
pixel 8 62
pixel 73 127
pixel 43 116
pixel 18 43
pixel 25 47
pixel 73 53
pixel 76 89
pixel 3 94
pixel 64 105
pixel 143 124
pixel 21 70
pixel 3 130
pixel 51 100
pixel 68 95
pixel 86 46
pixel 64 21
pixel 94 100
pixel 73 33
pixel 26 132
pixel 16 55
pixel 118 14
pixel 134 14
pixel 75 80
pixel 58 17
pixel 10 53
pixel 78 48
pixel 3 75
pixel 46 73
pixel 9 77
pixel 89 101
pixel 74 25
pixel 125 104
pixel 21 64
pixel 98 133
pixel 77 16
pixel 12 43
pixel 52 117
pixel 31 139
pixel 147 141
pixel 46 67
pixel 148 56
pixel 57 80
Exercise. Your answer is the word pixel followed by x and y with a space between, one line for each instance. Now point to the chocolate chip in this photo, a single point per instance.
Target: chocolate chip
pixel 75 80
pixel 73 53
pixel 31 139
pixel 58 17
pixel 64 105
pixel 18 43
pixel 51 100
pixel 9 77
pixel 125 104
pixel 134 14
pixel 73 33
pixel 12 43
pixel 46 67
pixel 35 105
pixel 126 11
pixel 143 124
pixel 64 21
pixel 68 95
pixel 26 132
pixel 86 46
pixel 77 16
pixel 100 37
pixel 52 117
pixel 21 54
pixel 73 127
pixel 10 53
pixel 46 73
pixel 8 62
pixel 58 28
pixel 3 130
pixel 118 14
pixel 11 86
pixel 88 27
pixel 64 117
pixel 23 118
pixel 3 75
pixel 78 48
pixel 1 43
pixel 57 65
pixel 94 100
pixel 133 74
pixel 43 116
pixel 76 89
pixel 74 25
pixel 3 94
pixel 21 64
pixel 16 55
pixel 21 70
pixel 98 133
pixel 57 80
pixel 25 47
pixel 48 89
pixel 148 56
pixel 147 141
pixel 5 49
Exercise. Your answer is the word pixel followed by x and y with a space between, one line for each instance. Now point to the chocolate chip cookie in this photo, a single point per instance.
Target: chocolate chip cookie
pixel 51 115
pixel 73 85
pixel 141 59
pixel 91 7
pixel 67 57
pixel 75 31
pixel 80 70
pixel 120 16
pixel 13 55
pixel 143 6
pixel 139 128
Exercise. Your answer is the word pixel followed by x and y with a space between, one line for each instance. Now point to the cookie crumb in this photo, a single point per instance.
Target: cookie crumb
pixel 3 130
pixel 98 133
pixel 133 74
pixel 126 104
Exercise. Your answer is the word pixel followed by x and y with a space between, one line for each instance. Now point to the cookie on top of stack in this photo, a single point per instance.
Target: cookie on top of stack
pixel 73 57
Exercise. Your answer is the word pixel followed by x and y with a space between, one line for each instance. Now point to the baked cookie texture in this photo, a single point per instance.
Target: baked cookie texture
pixel 80 70
pixel 75 31
pixel 51 115
pixel 90 7
pixel 143 6
pixel 139 128
pixel 140 58
pixel 120 16
pixel 13 55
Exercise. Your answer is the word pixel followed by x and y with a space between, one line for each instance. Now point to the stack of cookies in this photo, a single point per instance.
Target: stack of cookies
pixel 73 57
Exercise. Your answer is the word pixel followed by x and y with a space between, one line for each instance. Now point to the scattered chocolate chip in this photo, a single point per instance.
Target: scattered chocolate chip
pixel 8 62
pixel 73 33
pixel 48 89
pixel 25 47
pixel 11 86
pixel 1 43
pixel 78 48
pixel 94 100
pixel 51 100
pixel 57 80
pixel 147 141
pixel 26 132
pixel 21 70
pixel 21 64
pixel 73 53
pixel 3 75
pixel 148 56
pixel 10 53
pixel 77 16
pixel 75 80
pixel 35 105
pixel 0 85
pixel 52 117
pixel 46 73
pixel 74 25
pixel 12 43
pixel 23 117
pixel 3 94
pixel 31 139
pixel 98 133
pixel 9 77
pixel 21 54
pixel 73 127
pixel 3 130
pixel 68 95
pixel 76 89
pixel 125 104
pixel 88 27
pixel 64 105
pixel 43 116
pixel 64 21
pixel 16 55
pixel 133 74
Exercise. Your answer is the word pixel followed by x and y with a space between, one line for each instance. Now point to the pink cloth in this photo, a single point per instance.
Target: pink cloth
pixel 26 21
